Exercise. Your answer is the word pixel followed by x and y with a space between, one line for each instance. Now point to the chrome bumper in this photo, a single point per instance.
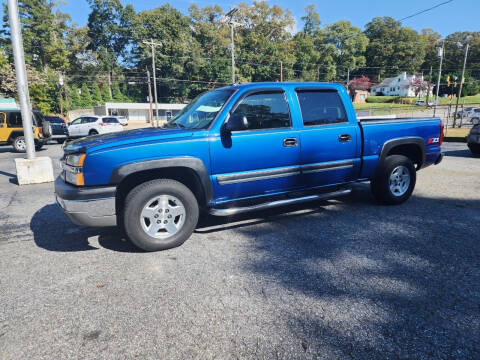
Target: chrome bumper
pixel 91 212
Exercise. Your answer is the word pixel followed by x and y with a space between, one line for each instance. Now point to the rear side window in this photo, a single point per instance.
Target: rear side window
pixel 265 110
pixel 321 107
pixel 110 120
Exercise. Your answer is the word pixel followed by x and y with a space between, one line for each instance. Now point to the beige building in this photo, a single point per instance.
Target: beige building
pixel 138 112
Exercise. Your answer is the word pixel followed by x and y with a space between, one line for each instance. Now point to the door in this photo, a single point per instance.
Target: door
pixel 4 132
pixel 73 127
pixel 262 157
pixel 330 143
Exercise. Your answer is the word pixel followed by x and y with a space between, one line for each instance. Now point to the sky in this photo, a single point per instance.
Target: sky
pixel 458 15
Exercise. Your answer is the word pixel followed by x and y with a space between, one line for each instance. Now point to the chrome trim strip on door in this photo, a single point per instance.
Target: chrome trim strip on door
pixel 283 172
pixel 258 175
pixel 337 165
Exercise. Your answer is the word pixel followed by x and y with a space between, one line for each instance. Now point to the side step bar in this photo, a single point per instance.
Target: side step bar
pixel 239 210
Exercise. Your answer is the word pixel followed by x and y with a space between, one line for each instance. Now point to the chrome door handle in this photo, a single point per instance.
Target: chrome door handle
pixel 344 138
pixel 290 142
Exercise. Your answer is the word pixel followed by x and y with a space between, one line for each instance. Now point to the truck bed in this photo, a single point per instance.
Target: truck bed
pixel 376 132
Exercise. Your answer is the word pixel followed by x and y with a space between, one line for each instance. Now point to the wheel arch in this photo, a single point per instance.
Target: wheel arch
pixel 187 170
pixel 411 147
pixel 14 134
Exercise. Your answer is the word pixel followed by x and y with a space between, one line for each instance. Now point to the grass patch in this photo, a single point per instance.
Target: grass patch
pixel 462 132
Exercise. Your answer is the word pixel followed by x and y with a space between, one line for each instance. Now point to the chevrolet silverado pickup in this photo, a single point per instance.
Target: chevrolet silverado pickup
pixel 236 149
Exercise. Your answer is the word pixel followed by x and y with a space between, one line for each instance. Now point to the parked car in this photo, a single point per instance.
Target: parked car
pixel 237 149
pixel 421 103
pixel 473 116
pixel 122 120
pixel 59 128
pixel 473 139
pixel 11 129
pixel 92 125
pixel 464 112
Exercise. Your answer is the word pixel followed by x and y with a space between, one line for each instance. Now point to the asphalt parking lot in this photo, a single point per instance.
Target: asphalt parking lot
pixel 334 280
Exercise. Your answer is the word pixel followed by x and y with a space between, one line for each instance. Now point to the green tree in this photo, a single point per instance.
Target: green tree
pixel 393 48
pixel 96 95
pixel 311 20
pixel 348 45
pixel 85 97
pixel 44 29
pixel 109 31
pixel 117 94
pixel 74 97
pixel 106 94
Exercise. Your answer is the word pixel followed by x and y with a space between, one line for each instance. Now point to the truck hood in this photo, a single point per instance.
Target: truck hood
pixel 97 142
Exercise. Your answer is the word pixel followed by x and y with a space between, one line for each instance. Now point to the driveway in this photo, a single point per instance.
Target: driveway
pixel 333 280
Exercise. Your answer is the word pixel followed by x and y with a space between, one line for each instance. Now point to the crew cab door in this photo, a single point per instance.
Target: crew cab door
pixel 263 156
pixel 330 143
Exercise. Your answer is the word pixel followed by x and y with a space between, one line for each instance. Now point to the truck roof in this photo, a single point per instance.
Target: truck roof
pixel 296 84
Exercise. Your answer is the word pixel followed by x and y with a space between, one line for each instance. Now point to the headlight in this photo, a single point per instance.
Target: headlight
pixel 75 159
pixel 73 169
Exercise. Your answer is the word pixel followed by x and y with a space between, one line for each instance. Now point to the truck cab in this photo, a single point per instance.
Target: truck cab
pixel 236 149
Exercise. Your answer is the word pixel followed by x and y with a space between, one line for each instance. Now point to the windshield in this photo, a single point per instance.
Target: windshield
pixel 201 111
pixel 54 119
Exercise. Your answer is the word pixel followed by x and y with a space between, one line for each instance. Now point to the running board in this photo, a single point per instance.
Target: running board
pixel 239 210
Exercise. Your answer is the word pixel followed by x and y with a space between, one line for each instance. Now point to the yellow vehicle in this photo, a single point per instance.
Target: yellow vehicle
pixel 11 129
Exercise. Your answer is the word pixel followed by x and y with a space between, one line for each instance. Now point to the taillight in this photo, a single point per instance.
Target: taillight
pixel 102 124
pixel 440 140
pixel 40 130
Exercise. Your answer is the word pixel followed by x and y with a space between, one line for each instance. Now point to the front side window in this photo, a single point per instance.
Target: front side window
pixel 265 110
pixel 200 113
pixel 321 107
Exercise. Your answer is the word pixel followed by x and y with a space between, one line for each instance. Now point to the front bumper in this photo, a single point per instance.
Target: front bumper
pixel 87 206
pixel 473 139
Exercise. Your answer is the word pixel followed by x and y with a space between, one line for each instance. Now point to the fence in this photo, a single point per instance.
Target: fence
pixel 445 112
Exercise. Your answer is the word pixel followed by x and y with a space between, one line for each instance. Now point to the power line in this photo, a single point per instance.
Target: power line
pixel 424 11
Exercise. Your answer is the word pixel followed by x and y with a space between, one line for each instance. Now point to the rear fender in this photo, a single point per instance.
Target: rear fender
pixel 389 145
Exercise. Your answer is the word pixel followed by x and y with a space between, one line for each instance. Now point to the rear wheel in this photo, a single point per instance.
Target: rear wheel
pixel 160 214
pixel 61 141
pixel 19 144
pixel 394 180
pixel 38 146
pixel 93 132
pixel 475 121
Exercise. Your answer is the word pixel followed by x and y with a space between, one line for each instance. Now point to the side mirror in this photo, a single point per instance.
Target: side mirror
pixel 236 122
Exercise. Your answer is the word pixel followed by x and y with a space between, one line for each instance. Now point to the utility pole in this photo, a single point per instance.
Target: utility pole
pixel 429 82
pixel 461 84
pixel 153 44
pixel 441 50
pixel 22 84
pixel 281 70
pixel 233 53
pixel 150 98
pixel 348 76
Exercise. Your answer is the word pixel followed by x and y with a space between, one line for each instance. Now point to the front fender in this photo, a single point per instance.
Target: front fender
pixel 195 164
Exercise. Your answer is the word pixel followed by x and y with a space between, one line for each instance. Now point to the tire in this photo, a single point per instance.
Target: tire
pixel 475 121
pixel 38 146
pixel 400 188
pixel 19 144
pixel 61 141
pixel 93 132
pixel 137 204
pixel 474 148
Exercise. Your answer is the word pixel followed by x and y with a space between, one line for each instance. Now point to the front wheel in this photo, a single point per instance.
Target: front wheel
pixel 474 148
pixel 394 180
pixel 160 214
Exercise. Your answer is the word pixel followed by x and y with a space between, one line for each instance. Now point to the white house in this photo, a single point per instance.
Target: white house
pixel 138 111
pixel 400 85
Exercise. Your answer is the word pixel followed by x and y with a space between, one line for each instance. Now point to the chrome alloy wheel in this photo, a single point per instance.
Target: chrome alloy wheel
pixel 162 216
pixel 399 180
pixel 21 144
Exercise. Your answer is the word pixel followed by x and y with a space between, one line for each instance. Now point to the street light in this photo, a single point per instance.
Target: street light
pixel 228 19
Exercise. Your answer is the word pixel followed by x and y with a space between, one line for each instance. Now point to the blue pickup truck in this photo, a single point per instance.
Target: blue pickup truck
pixel 236 149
